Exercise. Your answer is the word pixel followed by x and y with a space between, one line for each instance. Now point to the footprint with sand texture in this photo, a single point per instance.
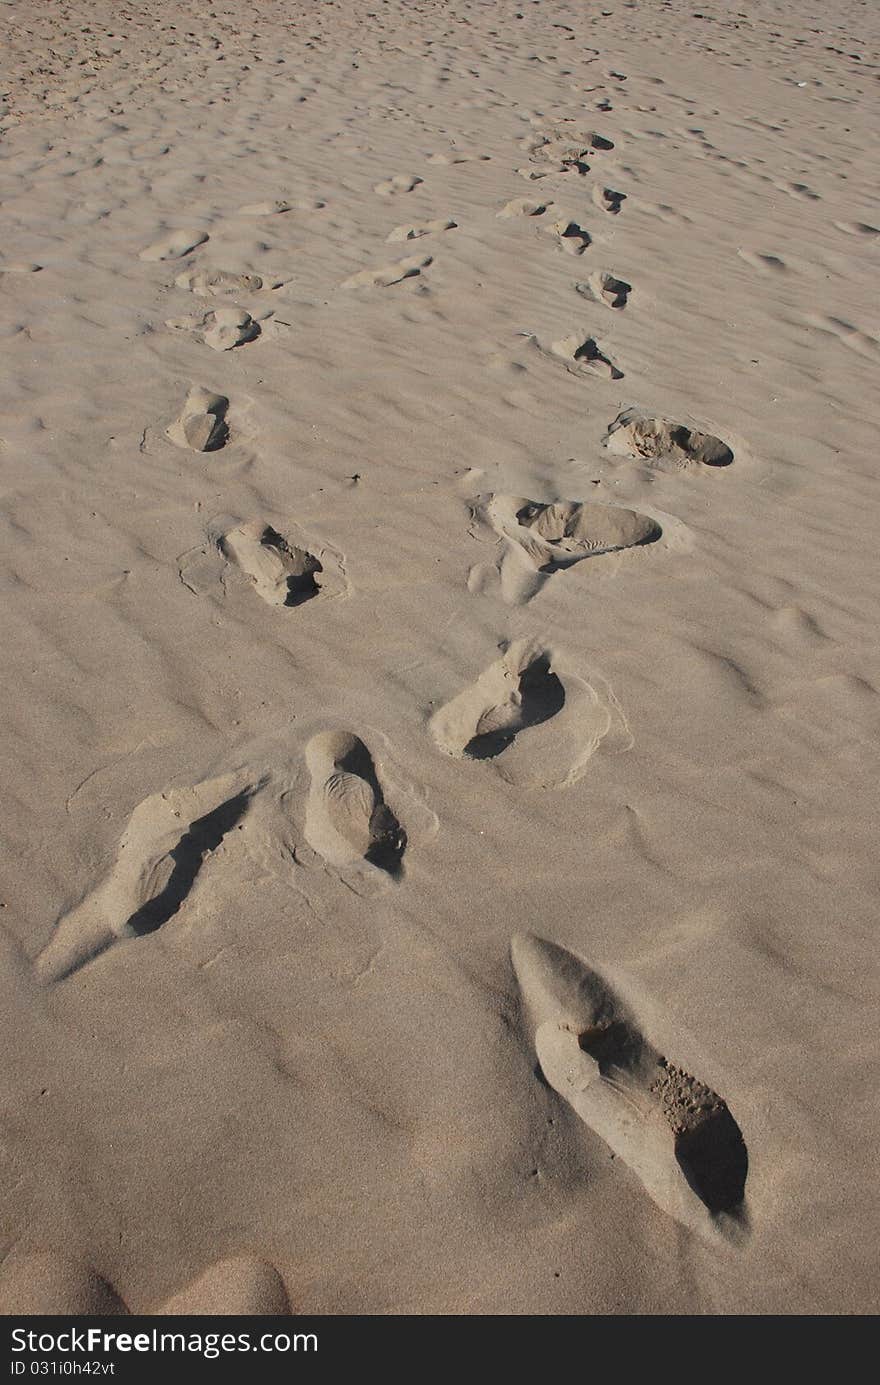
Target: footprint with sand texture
pixel 201 425
pixel 281 205
pixel 608 200
pixel 539 539
pixel 390 274
pixel 175 245
pixel 428 228
pixel 222 329
pixel 523 206
pixel 458 156
pixel 348 822
pixel 538 723
pixel 666 445
pixel 284 572
pixel 676 1134
pixel 569 235
pixel 166 844
pixel 602 286
pixel 581 355
pixel 401 182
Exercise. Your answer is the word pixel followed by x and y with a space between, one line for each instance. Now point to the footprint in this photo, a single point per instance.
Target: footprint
pixel 523 206
pixel 572 151
pixel 207 283
pixel 164 847
pixel 401 182
pixel 676 1134
pixel 606 289
pixel 348 821
pixel 668 445
pixel 222 328
pixel 538 725
pixel 239 1286
pixel 389 274
pixel 801 190
pixel 583 355
pixel 285 569
pixel 201 426
pixel 44 1285
pixel 174 246
pixel 268 208
pixel 458 157
pixel 608 199
pixel 594 141
pixel 284 573
pixel 541 539
pixel 569 236
pixel 428 229
pixel 281 205
pixel 765 263
pixel 533 173
pixel 857 228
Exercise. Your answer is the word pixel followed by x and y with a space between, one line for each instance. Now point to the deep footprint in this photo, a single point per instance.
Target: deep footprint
pixel 207 283
pixel 523 206
pixel 544 538
pixel 569 235
pixel 185 861
pixel 583 355
pixel 614 293
pixel 201 425
pixel 609 200
pixel 283 574
pixel 175 245
pixel 401 182
pixel 157 864
pixel 664 443
pixel 389 274
pixel 676 1134
pixel 536 696
pixel 538 725
pixel 222 329
pixel 348 821
pixel 428 228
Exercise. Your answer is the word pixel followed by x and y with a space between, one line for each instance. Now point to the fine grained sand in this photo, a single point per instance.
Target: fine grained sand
pixel 330 672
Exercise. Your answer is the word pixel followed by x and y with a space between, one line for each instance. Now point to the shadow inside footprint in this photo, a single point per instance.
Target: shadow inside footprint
pixel 709 1147
pixel 606 288
pixel 387 837
pixel 573 531
pixel 283 573
pixel 348 819
pixel 539 696
pixel 714 1160
pixel 201 838
pixel 676 1133
pixel 586 355
pixel 609 200
pixel 661 441
pixel 300 567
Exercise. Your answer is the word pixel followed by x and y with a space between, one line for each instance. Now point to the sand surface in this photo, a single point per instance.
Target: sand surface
pixel 438 498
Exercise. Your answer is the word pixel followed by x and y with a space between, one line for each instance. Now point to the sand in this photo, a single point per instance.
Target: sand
pixel 439 490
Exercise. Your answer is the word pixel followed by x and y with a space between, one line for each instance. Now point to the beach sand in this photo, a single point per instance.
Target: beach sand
pixel 438 516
